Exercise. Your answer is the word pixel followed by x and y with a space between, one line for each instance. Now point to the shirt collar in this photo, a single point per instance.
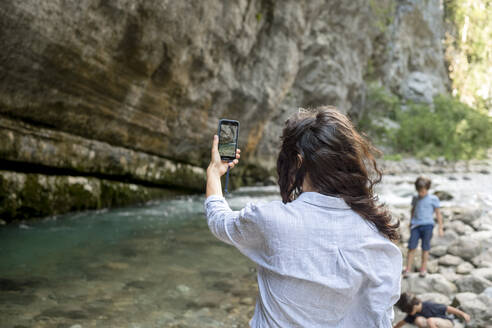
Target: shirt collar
pixel 318 199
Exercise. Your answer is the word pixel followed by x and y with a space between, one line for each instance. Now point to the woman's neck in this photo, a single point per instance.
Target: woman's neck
pixel 306 185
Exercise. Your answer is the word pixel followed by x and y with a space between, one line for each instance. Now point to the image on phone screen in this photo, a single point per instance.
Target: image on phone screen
pixel 227 139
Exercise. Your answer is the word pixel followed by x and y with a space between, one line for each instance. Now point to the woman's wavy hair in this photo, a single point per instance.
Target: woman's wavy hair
pixel 323 145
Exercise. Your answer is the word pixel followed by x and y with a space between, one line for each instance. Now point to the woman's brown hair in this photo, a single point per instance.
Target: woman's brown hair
pixel 323 144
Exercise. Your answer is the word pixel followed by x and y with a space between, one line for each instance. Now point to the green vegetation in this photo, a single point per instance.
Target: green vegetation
pixel 469 50
pixel 26 196
pixel 383 13
pixel 447 128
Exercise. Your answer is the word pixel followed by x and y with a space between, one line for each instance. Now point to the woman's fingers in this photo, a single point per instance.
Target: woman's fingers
pixel 215 149
pixel 233 163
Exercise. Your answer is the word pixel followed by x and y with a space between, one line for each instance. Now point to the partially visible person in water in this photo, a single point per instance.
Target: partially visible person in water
pixel 326 255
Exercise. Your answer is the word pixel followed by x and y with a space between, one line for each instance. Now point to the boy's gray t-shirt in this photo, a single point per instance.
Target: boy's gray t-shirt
pixel 424 207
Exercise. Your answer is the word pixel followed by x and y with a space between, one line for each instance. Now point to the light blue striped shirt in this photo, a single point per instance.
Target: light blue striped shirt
pixel 320 264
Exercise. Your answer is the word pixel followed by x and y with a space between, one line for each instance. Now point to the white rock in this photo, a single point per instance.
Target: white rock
pixel 435 297
pixel 483 273
pixel 449 273
pixel 433 266
pixel 465 247
pixel 487 292
pixel 465 268
pixel 438 251
pixel 474 306
pixel 183 289
pixel 459 227
pixel 473 284
pixel 431 283
pixel 483 237
pixel 484 260
pixel 449 237
pixel 450 260
pixel 467 215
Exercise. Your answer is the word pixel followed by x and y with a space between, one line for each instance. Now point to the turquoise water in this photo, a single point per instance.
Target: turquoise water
pixel 155 265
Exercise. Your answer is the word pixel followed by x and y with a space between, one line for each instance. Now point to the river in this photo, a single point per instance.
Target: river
pixel 155 265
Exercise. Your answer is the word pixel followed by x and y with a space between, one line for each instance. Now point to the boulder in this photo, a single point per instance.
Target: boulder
pixel 438 250
pixel 430 283
pixel 484 238
pixel 449 238
pixel 459 227
pixel 433 266
pixel 465 268
pixel 485 273
pixel 434 297
pixel 450 260
pixel 449 273
pixel 465 247
pixel 487 293
pixel 467 215
pixel 484 260
pixel 443 195
pixel 474 306
pixel 472 283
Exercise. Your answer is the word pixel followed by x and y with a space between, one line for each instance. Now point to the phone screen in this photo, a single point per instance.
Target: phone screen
pixel 228 131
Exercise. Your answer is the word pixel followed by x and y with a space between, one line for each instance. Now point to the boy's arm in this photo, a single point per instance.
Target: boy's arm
pixel 400 323
pixel 411 216
pixel 439 221
pixel 456 311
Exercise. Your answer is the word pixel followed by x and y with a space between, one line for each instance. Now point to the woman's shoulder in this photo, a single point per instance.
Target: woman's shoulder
pixel 266 207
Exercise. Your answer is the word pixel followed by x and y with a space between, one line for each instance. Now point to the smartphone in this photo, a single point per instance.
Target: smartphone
pixel 228 134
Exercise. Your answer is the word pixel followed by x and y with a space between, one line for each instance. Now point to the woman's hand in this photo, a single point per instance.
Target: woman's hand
pixel 217 166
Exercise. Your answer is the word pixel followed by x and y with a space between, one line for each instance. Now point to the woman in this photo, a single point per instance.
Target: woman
pixel 325 253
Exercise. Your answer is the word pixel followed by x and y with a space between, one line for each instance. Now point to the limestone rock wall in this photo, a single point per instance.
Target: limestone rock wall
pixel 134 88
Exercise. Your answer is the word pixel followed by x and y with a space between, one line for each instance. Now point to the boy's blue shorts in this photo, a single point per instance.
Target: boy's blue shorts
pixel 423 232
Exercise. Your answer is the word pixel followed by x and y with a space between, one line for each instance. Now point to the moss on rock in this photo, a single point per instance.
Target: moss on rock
pixel 26 196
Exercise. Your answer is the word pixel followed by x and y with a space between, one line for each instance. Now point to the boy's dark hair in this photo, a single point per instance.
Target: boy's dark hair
pixel 422 183
pixel 406 302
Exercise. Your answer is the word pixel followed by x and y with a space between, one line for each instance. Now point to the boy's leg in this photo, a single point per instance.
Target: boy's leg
pixel 420 322
pixel 412 245
pixel 439 323
pixel 410 255
pixel 426 234
pixel 425 256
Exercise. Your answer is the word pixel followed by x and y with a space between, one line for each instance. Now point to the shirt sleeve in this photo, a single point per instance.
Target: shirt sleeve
pixel 382 287
pixel 409 319
pixel 414 201
pixel 435 202
pixel 242 229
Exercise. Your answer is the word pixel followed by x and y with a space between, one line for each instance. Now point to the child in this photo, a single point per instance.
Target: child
pixel 422 223
pixel 426 314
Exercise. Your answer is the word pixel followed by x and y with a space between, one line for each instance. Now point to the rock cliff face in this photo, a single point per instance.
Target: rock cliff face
pixel 133 89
